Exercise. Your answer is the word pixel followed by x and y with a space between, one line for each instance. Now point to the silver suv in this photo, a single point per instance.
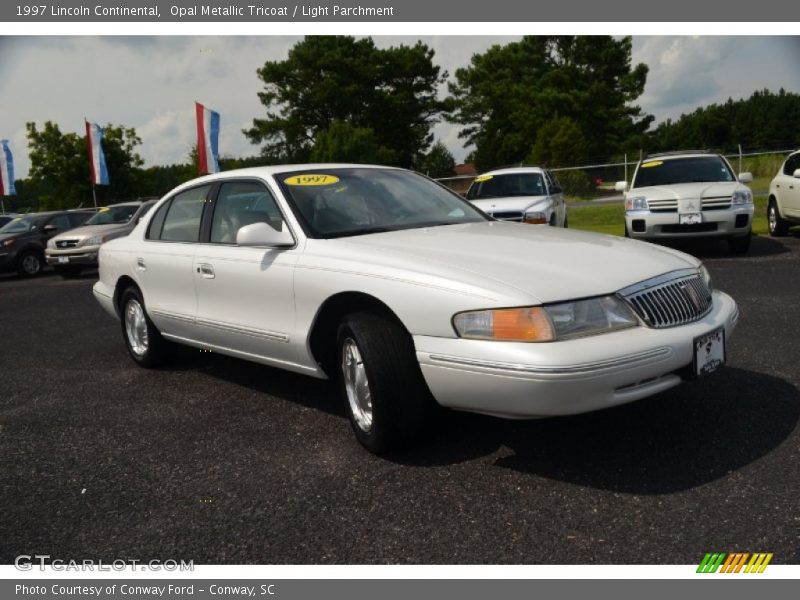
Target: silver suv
pixel 71 252
pixel 688 195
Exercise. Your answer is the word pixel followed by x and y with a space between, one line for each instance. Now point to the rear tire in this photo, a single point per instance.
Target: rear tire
pixel 385 394
pixel 30 263
pixel 143 341
pixel 778 227
pixel 741 244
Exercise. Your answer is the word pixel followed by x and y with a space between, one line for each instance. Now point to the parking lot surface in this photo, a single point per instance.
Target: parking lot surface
pixel 221 461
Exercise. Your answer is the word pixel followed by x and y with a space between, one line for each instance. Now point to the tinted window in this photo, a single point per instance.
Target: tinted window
pixel 344 202
pixel 113 214
pixel 504 186
pixel 682 170
pixel 61 222
pixel 182 221
pixel 242 203
pixel 792 164
pixel 77 219
pixel 157 222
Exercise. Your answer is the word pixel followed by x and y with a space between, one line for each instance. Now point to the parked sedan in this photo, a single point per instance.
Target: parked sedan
pixel 783 209
pixel 23 239
pixel 409 297
pixel 71 252
pixel 524 195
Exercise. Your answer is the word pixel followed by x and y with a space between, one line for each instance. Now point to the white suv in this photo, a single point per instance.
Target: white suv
pixel 522 194
pixel 783 209
pixel 686 195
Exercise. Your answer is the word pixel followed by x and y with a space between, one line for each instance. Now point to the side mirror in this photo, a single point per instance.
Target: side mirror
pixel 621 186
pixel 49 229
pixel 746 177
pixel 796 173
pixel 261 234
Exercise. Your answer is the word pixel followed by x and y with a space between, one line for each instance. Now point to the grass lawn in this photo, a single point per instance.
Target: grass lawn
pixel 610 218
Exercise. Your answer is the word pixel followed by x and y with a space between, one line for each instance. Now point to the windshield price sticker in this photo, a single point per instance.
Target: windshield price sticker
pixel 311 179
pixel 652 163
pixel 483 178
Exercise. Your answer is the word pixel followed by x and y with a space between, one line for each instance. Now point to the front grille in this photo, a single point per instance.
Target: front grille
pixel 716 203
pixel 668 205
pixel 66 243
pixel 507 215
pixel 670 300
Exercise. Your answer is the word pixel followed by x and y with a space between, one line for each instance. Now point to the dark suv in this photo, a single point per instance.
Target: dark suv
pixel 23 239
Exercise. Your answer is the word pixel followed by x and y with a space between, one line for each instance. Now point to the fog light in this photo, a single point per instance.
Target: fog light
pixel 639 226
pixel 742 220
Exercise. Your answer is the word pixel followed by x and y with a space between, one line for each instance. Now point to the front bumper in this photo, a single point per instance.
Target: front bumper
pixel 728 222
pixel 84 256
pixel 519 380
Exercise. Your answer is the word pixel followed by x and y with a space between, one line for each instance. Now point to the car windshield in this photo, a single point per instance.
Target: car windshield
pixel 706 169
pixel 504 186
pixel 356 201
pixel 113 214
pixel 21 225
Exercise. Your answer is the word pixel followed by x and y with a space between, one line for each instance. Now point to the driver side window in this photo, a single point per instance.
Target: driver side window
pixel 241 203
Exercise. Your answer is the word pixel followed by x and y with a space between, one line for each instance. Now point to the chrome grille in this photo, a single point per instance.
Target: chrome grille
pixel 716 203
pixel 669 300
pixel 66 243
pixel 666 205
pixel 507 215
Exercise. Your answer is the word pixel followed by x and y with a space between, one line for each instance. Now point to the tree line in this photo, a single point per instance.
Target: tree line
pixel 552 100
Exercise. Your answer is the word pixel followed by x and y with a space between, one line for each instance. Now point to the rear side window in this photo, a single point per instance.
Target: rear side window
pixel 179 219
pixel 77 219
pixel 61 222
pixel 791 165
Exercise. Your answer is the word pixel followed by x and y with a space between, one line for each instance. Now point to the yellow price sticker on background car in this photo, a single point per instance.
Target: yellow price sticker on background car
pixel 104 209
pixel 311 179
pixel 482 178
pixel 652 163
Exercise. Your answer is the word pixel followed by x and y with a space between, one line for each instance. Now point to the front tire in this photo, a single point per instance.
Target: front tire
pixel 30 264
pixel 741 244
pixel 777 226
pixel 142 339
pixel 387 400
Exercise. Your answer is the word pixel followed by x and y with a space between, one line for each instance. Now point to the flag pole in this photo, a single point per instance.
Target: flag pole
pixel 94 195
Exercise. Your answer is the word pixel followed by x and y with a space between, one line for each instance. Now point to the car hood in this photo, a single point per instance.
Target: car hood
pixel 516 203
pixel 688 190
pixel 6 236
pixel 540 264
pixel 91 230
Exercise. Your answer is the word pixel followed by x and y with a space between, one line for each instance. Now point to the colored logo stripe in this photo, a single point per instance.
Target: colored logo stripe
pixel 735 562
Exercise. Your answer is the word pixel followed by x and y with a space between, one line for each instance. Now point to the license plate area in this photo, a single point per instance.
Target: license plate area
pixel 63 259
pixel 709 352
pixel 691 218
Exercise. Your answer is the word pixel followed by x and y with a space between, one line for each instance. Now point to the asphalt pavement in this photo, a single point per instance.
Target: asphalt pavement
pixel 221 461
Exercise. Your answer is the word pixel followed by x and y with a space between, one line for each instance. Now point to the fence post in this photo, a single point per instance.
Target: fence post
pixel 740 158
pixel 626 166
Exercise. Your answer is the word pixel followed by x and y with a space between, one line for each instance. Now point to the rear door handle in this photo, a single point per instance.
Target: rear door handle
pixel 206 271
pixel 140 266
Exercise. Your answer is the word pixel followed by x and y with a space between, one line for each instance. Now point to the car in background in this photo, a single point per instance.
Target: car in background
pixel 76 250
pixel 6 217
pixel 409 297
pixel 688 194
pixel 23 239
pixel 522 195
pixel 783 208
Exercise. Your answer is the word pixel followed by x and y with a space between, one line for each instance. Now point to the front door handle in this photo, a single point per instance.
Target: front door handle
pixel 206 271
pixel 140 265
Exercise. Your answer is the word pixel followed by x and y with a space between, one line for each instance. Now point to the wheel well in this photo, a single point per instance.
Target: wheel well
pixel 123 283
pixel 322 339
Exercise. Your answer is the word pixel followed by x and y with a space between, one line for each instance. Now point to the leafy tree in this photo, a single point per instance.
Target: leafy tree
pixel 392 92
pixel 439 162
pixel 509 92
pixel 559 142
pixel 60 174
pixel 341 142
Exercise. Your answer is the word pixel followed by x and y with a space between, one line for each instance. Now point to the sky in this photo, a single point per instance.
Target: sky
pixel 151 83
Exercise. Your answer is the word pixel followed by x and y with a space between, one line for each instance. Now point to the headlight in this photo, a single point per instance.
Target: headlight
pixel 742 197
pixel 9 241
pixel 51 243
pixel 706 277
pixel 95 240
pixel 536 218
pixel 636 203
pixel 547 323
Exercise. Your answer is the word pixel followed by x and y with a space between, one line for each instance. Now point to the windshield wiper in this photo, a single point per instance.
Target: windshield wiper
pixel 354 232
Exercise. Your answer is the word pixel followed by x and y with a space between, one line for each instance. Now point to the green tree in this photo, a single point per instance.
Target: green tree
pixel 439 162
pixel 392 92
pixel 509 92
pixel 559 143
pixel 341 142
pixel 60 174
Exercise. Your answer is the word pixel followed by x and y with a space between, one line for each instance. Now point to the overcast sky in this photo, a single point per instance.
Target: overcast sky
pixel 150 83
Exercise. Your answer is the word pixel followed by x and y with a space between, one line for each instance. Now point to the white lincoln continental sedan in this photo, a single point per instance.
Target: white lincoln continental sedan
pixel 409 297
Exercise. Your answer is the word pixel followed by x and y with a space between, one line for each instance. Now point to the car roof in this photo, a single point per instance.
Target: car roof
pixel 680 154
pixel 513 170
